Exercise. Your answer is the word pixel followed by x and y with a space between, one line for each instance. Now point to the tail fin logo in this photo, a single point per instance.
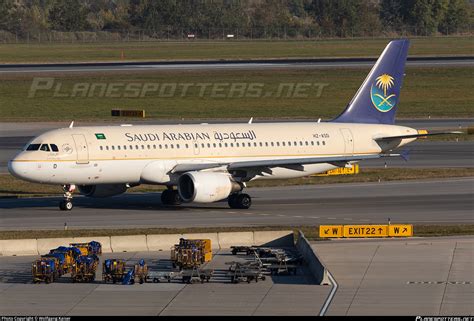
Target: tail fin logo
pixel 380 93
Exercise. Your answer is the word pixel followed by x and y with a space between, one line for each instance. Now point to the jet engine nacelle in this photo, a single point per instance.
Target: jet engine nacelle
pixel 205 187
pixel 103 190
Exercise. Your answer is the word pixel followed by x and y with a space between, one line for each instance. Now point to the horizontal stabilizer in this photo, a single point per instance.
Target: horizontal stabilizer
pixel 420 134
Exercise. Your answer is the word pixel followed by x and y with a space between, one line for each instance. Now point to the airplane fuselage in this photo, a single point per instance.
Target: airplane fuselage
pixel 148 153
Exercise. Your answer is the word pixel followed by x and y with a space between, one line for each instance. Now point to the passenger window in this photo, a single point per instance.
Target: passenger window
pixel 113 147
pixel 118 147
pixel 166 146
pixel 249 144
pixel 306 143
pixel 283 143
pixel 171 146
pixel 214 145
pixel 312 143
pixel 220 145
pixel 225 144
pixel 33 147
pixel 131 146
pixel 44 148
pixel 136 146
pixel 177 146
pixel 54 148
pixel 202 145
pixel 318 142
pixel 254 144
pixel 324 143
pixel 101 148
pixel 278 143
pixel 266 144
pixel 237 145
pixel 107 147
pixel 261 144
pixel 125 147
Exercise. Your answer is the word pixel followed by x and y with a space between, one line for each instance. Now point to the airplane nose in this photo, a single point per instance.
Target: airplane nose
pixel 17 169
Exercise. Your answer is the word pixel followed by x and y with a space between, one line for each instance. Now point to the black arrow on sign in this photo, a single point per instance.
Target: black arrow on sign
pixel 405 229
pixel 326 231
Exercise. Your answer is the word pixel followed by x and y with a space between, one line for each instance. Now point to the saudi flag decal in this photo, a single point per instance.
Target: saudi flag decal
pixel 100 136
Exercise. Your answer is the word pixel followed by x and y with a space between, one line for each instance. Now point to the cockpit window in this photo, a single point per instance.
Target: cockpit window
pixel 44 148
pixel 33 147
pixel 54 148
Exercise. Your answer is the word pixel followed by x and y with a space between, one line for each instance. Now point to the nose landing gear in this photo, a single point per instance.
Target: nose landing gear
pixel 66 203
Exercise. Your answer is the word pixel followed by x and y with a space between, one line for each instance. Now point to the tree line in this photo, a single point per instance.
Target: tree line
pixel 246 18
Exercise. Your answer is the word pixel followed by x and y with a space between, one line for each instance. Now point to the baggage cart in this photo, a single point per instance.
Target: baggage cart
pixel 141 271
pixel 45 270
pixel 84 269
pixel 91 248
pixel 113 270
pixel 196 275
pixel 163 276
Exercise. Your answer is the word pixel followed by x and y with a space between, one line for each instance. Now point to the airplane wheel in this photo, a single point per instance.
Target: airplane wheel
pixel 65 205
pixel 170 197
pixel 240 201
pixel 231 201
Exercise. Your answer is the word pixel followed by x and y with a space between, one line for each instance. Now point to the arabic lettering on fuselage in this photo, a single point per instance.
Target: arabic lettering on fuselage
pixel 250 135
pixel 190 136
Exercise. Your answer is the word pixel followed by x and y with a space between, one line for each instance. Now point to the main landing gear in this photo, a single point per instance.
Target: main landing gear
pixel 170 197
pixel 66 203
pixel 240 201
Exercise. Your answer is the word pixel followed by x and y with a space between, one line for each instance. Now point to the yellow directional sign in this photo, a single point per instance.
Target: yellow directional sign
pixel 400 230
pixel 365 230
pixel 354 169
pixel 128 113
pixel 331 231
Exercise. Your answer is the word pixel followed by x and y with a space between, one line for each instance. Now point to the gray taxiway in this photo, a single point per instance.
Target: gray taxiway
pixel 232 64
pixel 447 201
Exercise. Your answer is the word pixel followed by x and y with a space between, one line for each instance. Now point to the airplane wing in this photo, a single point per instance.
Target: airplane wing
pixel 269 163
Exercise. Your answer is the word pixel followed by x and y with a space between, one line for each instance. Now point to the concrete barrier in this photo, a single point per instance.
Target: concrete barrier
pixel 315 264
pixel 103 240
pixel 212 236
pixel 162 242
pixel 44 245
pixel 274 238
pixel 227 239
pixel 18 247
pixel 128 243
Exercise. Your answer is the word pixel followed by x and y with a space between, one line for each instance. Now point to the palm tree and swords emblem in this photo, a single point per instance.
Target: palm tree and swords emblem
pixel 380 100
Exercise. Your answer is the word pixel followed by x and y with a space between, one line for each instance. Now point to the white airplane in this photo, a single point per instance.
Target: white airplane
pixel 206 163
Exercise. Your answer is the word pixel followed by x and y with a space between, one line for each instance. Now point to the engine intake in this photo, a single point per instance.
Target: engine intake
pixel 103 190
pixel 206 187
